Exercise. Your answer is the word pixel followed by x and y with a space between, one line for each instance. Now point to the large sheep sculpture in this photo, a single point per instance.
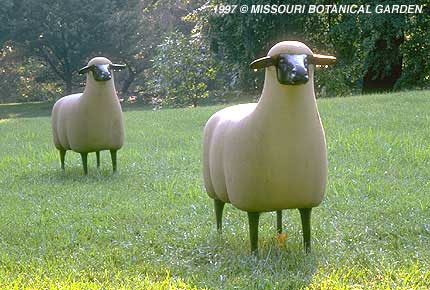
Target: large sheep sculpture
pixel 91 121
pixel 270 155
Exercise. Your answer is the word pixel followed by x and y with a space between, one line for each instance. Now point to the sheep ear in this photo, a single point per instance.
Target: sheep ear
pixel 84 70
pixel 320 59
pixel 118 66
pixel 262 62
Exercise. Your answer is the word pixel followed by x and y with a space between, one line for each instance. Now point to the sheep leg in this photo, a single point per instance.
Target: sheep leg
pixel 113 156
pixel 279 221
pixel 219 207
pixel 98 158
pixel 62 158
pixel 253 218
pixel 305 214
pixel 84 162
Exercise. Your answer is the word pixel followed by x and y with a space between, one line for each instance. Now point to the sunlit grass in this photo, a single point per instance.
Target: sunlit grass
pixel 151 226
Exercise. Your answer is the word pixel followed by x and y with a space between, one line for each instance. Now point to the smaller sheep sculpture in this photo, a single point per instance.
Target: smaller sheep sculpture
pixel 91 121
pixel 270 155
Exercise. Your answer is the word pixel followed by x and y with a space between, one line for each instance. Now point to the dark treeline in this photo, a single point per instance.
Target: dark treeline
pixel 179 52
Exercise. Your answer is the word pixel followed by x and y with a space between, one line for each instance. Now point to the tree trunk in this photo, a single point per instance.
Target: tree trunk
pixel 68 78
pixel 127 82
pixel 386 54
pixel 68 85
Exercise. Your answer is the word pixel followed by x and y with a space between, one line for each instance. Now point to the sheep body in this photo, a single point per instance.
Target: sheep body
pixel 271 155
pixel 87 126
pixel 253 164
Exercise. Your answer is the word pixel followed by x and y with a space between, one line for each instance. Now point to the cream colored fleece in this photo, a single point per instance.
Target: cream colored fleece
pixel 269 155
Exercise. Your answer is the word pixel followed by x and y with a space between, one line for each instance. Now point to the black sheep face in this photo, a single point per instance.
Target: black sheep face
pixel 292 69
pixel 101 72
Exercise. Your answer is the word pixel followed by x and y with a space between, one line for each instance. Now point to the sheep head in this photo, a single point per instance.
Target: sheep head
pixel 101 68
pixel 291 60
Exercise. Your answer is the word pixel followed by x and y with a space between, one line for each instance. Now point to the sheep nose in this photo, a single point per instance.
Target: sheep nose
pixel 102 76
pixel 292 70
pixel 102 73
pixel 299 78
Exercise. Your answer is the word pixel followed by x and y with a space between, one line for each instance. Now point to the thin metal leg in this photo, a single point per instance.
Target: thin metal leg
pixel 305 214
pixel 219 207
pixel 253 219
pixel 98 158
pixel 84 162
pixel 279 221
pixel 113 156
pixel 62 158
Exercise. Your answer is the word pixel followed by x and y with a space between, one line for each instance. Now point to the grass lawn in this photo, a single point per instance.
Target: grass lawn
pixel 152 226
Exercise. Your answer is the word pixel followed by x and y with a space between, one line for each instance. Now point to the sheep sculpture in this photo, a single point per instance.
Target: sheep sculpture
pixel 91 121
pixel 270 155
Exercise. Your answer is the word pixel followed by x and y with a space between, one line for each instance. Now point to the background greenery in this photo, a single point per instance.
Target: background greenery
pixel 152 226
pixel 44 43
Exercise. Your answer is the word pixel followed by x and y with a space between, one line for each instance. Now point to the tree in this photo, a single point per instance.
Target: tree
pixel 65 34
pixel 24 79
pixel 375 51
pixel 416 52
pixel 240 38
pixel 184 66
pixel 133 38
pixel 138 49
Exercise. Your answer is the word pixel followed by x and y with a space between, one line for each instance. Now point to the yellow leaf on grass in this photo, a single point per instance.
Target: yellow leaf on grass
pixel 281 238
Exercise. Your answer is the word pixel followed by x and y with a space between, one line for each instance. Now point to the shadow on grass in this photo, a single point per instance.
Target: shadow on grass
pixel 71 176
pixel 35 110
pixel 43 109
pixel 74 173
pixel 25 110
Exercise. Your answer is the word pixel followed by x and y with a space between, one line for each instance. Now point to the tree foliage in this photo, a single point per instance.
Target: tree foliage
pixel 183 67
pixel 25 79
pixel 374 51
pixel 65 34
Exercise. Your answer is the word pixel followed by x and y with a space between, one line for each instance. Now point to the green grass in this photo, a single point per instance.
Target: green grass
pixel 152 225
